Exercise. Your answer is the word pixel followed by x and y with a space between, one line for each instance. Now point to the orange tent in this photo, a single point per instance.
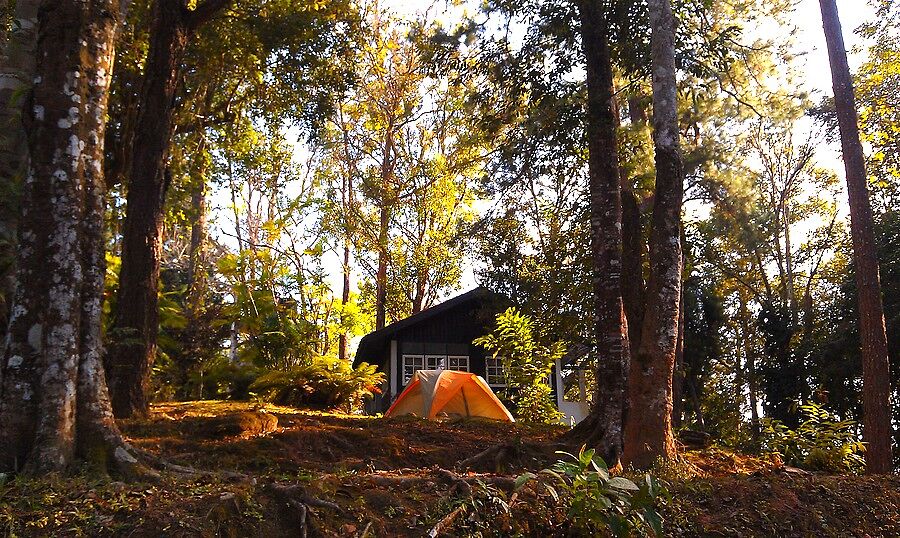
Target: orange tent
pixel 433 392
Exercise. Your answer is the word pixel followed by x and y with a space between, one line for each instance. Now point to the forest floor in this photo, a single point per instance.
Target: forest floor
pixel 273 471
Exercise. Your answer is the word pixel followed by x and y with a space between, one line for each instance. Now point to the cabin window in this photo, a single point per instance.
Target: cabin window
pixel 434 362
pixel 458 362
pixel 411 363
pixel 494 371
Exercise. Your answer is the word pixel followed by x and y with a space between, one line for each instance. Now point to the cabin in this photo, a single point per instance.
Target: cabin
pixel 440 338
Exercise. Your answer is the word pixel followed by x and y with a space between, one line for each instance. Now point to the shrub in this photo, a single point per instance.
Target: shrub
pixel 527 363
pixel 323 383
pixel 822 442
pixel 596 500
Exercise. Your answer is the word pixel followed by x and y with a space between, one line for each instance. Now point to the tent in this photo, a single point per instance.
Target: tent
pixel 432 392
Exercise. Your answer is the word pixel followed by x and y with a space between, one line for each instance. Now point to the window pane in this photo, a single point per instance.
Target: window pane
pixel 411 363
pixel 434 362
pixel 494 371
pixel 460 363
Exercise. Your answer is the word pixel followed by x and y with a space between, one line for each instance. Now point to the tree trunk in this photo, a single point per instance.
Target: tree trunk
pixel 876 371
pixel 603 426
pixel 648 430
pixel 750 368
pixel 349 208
pixel 16 76
pixel 136 324
pixel 343 341
pixel 633 255
pixel 678 372
pixel 54 406
pixel 384 222
pixel 381 275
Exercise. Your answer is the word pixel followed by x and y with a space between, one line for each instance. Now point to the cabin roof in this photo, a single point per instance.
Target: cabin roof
pixel 372 344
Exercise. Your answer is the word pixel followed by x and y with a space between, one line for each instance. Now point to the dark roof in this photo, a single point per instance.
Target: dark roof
pixel 372 343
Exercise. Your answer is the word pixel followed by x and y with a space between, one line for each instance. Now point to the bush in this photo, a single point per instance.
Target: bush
pixel 527 363
pixel 822 442
pixel 323 384
pixel 596 500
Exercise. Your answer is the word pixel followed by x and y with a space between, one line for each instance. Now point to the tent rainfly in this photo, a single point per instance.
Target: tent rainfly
pixel 434 392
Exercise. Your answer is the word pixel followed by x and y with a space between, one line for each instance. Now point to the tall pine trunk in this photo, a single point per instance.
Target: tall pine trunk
pixel 603 426
pixel 136 323
pixel 648 429
pixel 54 405
pixel 876 372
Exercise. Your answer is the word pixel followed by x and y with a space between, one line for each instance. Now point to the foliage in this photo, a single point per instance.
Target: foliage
pixel 527 363
pixel 596 500
pixel 323 383
pixel 821 442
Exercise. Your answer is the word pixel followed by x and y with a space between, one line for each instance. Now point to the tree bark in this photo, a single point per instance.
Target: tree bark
pixel 136 323
pixel 648 429
pixel 633 255
pixel 16 76
pixel 384 222
pixel 54 405
pixel 876 371
pixel 603 426
pixel 678 372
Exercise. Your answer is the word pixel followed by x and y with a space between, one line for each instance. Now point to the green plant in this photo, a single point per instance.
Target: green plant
pixel 527 363
pixel 323 383
pixel 822 442
pixel 597 500
pixel 486 508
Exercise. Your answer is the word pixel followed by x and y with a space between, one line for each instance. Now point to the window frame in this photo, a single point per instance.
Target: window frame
pixel 458 359
pixel 497 371
pixel 403 366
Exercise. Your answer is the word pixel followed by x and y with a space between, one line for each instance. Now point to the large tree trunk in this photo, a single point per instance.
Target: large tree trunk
pixel 16 75
pixel 648 429
pixel 136 324
pixel 603 427
pixel 54 405
pixel 876 372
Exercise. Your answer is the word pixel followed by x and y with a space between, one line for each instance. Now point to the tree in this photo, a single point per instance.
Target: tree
pixel 648 428
pixel 401 160
pixel 54 405
pixel 16 72
pixel 136 324
pixel 603 427
pixel 876 367
pixel 528 360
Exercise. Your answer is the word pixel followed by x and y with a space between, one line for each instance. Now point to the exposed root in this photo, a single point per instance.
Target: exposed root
pixel 162 464
pixel 504 457
pixel 296 497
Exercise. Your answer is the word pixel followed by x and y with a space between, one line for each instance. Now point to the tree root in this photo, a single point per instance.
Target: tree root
pixel 158 463
pixel 505 456
pixel 296 497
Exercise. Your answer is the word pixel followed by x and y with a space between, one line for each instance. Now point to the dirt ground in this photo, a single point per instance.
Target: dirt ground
pixel 272 471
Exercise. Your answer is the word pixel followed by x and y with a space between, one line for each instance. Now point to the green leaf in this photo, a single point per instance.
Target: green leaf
pixel 619 482
pixel 522 479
